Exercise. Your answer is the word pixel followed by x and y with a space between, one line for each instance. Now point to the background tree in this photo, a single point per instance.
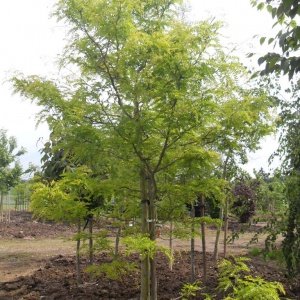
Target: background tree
pixel 271 196
pixel 290 148
pixel 286 61
pixel 287 41
pixel 245 196
pixel 10 168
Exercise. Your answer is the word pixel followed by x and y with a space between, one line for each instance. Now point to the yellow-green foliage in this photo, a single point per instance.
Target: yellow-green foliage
pixel 114 270
pixel 189 290
pixel 101 240
pixel 144 246
pixel 210 221
pixel 53 203
pixel 237 285
pixel 230 273
pixel 182 230
pixel 256 288
pixel 65 199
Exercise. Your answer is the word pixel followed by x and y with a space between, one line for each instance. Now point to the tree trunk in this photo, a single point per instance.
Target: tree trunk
pixel 117 241
pixel 1 207
pixel 9 206
pixel 78 275
pixel 216 249
pixel 152 225
pixel 171 245
pixel 225 213
pixel 193 244
pixel 225 226
pixel 203 237
pixel 91 246
pixel 145 265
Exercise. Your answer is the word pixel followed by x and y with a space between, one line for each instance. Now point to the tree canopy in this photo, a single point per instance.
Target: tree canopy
pixel 151 107
pixel 10 168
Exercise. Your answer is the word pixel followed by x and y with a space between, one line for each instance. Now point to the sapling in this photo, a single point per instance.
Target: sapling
pixel 64 200
pixel 203 235
pixel 193 243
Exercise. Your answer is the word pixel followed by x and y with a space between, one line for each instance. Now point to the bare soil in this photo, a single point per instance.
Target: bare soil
pixel 38 263
pixel 23 226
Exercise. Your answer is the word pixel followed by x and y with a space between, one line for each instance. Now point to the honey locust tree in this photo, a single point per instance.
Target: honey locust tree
pixel 240 131
pixel 145 85
pixel 68 199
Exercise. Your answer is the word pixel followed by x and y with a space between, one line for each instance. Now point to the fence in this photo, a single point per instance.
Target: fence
pixel 12 201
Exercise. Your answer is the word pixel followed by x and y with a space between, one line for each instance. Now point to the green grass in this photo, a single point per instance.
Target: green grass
pixel 275 255
pixel 255 251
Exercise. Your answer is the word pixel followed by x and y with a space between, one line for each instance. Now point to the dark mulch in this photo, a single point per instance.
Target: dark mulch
pixel 23 225
pixel 57 280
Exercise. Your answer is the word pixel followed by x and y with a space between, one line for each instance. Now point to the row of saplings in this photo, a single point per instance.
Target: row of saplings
pixel 59 201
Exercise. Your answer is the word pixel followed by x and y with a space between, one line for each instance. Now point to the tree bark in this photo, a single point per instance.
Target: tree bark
pixel 1 207
pixel 203 237
pixel 216 249
pixel 152 225
pixel 117 241
pixel 145 265
pixel 91 242
pixel 221 215
pixel 171 245
pixel 225 227
pixel 193 244
pixel 78 275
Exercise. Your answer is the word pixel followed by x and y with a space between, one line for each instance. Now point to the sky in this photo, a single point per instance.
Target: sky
pixel 31 42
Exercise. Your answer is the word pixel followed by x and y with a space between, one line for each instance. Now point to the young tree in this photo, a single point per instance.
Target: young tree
pixel 150 88
pixel 10 169
pixel 271 196
pixel 67 199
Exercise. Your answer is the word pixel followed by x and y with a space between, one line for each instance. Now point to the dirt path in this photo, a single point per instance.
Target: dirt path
pixel 37 260
pixel 20 257
pixel 239 246
pixel 26 245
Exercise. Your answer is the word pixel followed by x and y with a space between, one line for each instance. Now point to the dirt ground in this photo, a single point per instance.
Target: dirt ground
pixel 37 262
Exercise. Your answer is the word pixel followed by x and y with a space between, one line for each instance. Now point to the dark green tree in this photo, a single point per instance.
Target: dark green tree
pixel 285 57
pixel 287 61
pixel 10 168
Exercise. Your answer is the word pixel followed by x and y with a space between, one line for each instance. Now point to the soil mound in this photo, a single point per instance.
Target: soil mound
pixel 57 280
pixel 23 225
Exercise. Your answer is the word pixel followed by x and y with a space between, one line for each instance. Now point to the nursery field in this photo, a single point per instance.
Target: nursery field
pixel 154 121
pixel 37 261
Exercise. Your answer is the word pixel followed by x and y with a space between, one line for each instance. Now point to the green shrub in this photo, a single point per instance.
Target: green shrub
pixel 114 270
pixel 189 290
pixel 237 285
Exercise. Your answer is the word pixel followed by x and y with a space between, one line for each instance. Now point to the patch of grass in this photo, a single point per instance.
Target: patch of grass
pixel 255 252
pixel 275 255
